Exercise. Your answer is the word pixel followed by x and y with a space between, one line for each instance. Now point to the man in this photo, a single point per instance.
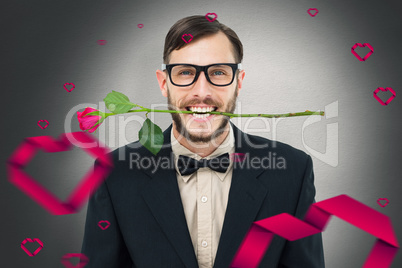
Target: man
pixel 180 215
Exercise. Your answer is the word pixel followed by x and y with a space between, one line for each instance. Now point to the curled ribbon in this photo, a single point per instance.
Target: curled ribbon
pixel 258 238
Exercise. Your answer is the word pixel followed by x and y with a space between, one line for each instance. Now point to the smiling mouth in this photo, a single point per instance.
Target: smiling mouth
pixel 201 113
pixel 201 110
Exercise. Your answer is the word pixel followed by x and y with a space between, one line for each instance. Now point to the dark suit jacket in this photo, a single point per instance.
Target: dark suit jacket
pixel 147 223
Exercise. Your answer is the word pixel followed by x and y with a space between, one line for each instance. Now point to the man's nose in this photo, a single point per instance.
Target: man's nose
pixel 201 87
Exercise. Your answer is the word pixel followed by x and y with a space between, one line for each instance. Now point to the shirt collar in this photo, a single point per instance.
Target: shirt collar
pixel 227 146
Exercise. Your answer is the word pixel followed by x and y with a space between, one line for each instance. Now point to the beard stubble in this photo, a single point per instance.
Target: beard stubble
pixel 200 138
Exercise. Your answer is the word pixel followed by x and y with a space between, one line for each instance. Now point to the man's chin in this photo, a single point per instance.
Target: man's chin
pixel 198 135
pixel 205 135
pixel 200 138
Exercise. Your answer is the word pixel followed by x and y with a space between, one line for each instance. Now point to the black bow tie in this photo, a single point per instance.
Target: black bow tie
pixel 188 165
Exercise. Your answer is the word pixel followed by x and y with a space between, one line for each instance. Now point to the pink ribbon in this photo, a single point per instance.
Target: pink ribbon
pixel 31 241
pixel 65 260
pixel 360 45
pixel 344 207
pixel 92 179
pixel 384 89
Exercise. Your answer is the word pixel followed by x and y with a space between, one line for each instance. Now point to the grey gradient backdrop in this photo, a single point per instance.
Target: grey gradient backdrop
pixel 293 62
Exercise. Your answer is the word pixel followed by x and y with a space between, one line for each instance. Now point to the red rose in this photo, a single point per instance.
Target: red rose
pixel 90 122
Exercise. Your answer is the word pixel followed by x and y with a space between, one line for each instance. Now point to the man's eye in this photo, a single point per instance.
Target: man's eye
pixel 218 73
pixel 185 73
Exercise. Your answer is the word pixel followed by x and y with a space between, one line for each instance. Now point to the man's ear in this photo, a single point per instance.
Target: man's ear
pixel 161 76
pixel 240 78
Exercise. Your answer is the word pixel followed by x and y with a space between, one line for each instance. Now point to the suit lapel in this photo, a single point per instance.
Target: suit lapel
pixel 246 196
pixel 162 195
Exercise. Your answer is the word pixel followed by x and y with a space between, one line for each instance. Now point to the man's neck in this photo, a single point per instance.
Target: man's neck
pixel 201 148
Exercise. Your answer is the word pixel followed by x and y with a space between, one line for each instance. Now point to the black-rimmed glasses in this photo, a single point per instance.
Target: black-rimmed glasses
pixel 218 74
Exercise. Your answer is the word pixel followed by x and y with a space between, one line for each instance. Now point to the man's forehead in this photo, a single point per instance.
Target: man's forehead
pixel 210 49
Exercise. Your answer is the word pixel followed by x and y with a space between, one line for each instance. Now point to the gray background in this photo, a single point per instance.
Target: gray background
pixel 293 62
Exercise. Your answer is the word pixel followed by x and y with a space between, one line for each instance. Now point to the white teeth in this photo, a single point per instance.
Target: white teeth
pixel 201 115
pixel 201 110
pixel 197 110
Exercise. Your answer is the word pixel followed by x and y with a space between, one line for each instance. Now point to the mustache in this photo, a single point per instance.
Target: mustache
pixel 206 102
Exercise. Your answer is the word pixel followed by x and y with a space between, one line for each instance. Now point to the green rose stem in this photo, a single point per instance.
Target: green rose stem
pixel 222 113
pixel 150 134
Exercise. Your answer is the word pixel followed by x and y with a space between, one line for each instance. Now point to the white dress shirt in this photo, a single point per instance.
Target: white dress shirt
pixel 204 195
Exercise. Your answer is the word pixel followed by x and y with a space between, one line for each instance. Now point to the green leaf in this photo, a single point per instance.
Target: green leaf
pixel 151 136
pixel 118 103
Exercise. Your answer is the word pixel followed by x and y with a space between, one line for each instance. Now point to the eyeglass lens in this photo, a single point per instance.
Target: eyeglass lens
pixel 218 74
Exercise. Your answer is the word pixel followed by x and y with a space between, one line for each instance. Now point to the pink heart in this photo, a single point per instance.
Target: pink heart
pixel 44 120
pixel 69 84
pixel 94 177
pixel 191 38
pixel 383 199
pixel 238 157
pixel 360 45
pixel 211 14
pixel 382 89
pixel 107 224
pixel 101 42
pixel 65 260
pixel 315 13
pixel 31 241
pixel 140 25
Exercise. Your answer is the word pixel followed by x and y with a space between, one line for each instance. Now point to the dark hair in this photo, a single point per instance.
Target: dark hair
pixel 198 26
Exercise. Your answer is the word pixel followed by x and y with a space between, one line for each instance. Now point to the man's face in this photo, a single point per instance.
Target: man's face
pixel 221 121
pixel 208 50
